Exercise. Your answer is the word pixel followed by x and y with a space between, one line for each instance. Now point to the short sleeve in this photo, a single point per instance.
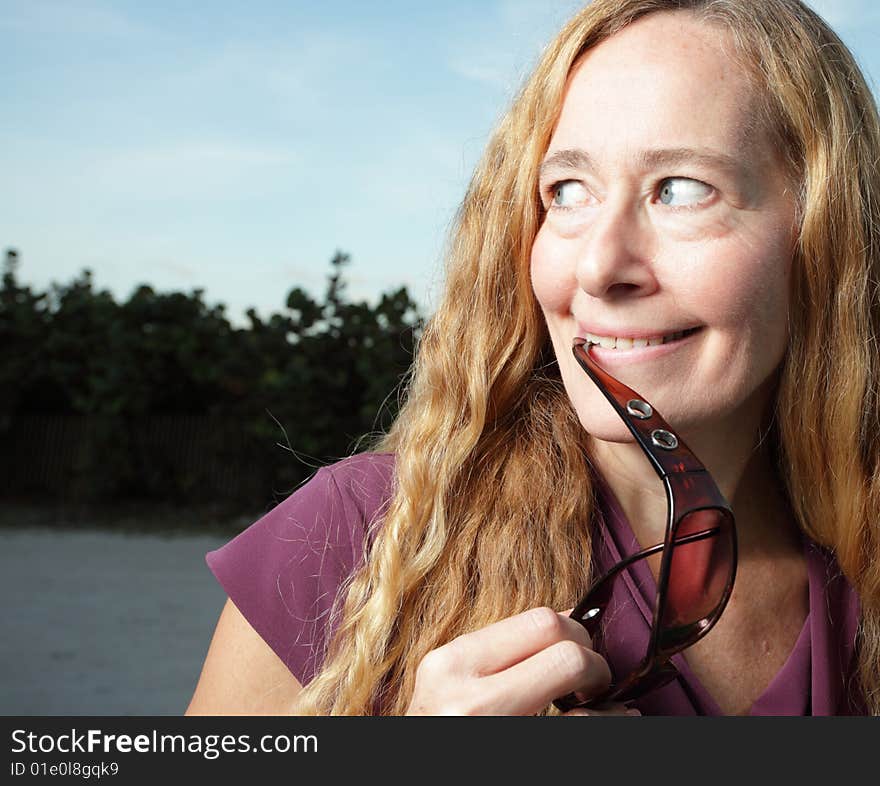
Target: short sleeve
pixel 283 573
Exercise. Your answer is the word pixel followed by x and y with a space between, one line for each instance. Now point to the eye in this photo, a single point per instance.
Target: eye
pixel 683 191
pixel 568 194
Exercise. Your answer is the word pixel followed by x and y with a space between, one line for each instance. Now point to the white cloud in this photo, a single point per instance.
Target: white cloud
pixel 506 42
pixel 188 170
pixel 60 183
pixel 498 75
pixel 298 68
pixel 69 19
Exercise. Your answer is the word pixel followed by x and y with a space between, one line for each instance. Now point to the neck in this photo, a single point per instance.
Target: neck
pixel 737 454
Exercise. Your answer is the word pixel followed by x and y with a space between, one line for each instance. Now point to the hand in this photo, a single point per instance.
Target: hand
pixel 513 667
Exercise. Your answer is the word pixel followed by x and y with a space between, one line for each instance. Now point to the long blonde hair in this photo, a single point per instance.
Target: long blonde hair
pixel 492 489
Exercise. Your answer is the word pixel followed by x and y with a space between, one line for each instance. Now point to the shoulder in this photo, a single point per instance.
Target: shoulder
pixel 342 504
pixel 363 484
pixel 335 508
pixel 285 571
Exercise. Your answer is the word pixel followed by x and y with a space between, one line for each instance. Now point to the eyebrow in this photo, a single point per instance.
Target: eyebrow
pixel 574 158
pixel 577 158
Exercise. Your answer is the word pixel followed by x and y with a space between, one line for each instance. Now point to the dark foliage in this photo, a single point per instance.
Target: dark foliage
pixel 270 402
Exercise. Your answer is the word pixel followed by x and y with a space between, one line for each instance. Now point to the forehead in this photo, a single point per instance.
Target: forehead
pixel 666 80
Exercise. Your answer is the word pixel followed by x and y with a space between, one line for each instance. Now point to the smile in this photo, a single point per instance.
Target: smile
pixel 613 342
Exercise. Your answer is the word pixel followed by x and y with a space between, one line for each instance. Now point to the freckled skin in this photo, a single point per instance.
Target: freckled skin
pixel 621 257
pixel 657 103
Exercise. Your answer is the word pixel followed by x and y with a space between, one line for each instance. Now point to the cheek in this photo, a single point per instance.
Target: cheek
pixel 741 281
pixel 757 295
pixel 553 278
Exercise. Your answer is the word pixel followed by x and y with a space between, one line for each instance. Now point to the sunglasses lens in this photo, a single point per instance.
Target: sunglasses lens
pixel 699 576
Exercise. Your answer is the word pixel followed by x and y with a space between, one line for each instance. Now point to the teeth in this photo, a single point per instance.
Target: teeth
pixel 612 342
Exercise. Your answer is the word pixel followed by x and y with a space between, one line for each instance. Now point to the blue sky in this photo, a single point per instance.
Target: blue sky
pixel 235 146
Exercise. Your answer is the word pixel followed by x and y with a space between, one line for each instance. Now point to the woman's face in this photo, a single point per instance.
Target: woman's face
pixel 667 210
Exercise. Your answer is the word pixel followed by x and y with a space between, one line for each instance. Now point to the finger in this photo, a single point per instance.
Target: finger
pixel 514 639
pixel 567 615
pixel 560 669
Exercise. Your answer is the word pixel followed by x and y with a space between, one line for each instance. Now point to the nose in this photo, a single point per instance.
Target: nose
pixel 616 252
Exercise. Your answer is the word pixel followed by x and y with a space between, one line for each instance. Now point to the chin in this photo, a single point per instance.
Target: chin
pixel 606 427
pixel 620 436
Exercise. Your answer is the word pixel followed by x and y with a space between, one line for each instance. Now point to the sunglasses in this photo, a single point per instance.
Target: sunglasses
pixel 697 556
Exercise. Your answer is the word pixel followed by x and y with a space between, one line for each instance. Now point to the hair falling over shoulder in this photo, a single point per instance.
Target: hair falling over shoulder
pixel 493 496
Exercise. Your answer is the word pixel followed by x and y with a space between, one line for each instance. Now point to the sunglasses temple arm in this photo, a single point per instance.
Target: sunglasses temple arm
pixel 683 541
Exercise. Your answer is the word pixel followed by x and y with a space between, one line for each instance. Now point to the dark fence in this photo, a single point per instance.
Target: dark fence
pixel 174 458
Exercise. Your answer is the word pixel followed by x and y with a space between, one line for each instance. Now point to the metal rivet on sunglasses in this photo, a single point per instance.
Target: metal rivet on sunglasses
pixel 664 439
pixel 639 409
pixel 590 613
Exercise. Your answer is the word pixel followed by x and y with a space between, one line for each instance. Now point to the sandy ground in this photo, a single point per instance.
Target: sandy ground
pixel 97 623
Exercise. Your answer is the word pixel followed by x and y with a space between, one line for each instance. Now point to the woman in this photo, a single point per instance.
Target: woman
pixel 700 174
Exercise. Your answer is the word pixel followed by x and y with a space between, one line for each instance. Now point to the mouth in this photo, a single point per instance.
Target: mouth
pixel 623 344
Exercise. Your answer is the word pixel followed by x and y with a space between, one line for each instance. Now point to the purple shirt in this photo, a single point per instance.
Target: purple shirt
pixel 816 679
pixel 284 571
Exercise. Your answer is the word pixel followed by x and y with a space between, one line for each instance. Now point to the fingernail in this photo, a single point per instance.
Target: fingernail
pixel 633 711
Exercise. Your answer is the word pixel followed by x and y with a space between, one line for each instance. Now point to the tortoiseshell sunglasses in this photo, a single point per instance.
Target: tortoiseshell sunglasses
pixel 698 561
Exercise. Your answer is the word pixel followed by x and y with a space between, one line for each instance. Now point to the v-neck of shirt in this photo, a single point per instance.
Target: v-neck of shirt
pixel 800 687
